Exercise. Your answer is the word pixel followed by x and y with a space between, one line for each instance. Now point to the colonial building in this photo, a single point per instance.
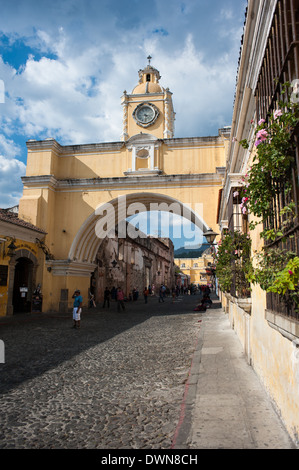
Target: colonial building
pixel 199 271
pixel 75 192
pixel 21 257
pixel 266 321
pixel 133 264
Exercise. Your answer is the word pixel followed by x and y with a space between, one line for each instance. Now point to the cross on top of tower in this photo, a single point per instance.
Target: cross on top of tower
pixel 149 58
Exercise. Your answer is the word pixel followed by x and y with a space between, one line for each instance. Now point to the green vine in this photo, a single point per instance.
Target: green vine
pixel 233 263
pixel 276 270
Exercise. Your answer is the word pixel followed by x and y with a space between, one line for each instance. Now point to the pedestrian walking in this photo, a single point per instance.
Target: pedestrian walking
pixel 145 295
pixel 120 297
pixel 91 300
pixel 113 293
pixel 106 297
pixel 77 308
pixel 164 290
pixel 161 294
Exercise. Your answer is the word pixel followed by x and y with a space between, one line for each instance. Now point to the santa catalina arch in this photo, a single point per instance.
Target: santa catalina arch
pixel 69 189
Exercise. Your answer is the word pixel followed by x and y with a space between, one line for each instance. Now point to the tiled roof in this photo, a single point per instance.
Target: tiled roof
pixel 11 217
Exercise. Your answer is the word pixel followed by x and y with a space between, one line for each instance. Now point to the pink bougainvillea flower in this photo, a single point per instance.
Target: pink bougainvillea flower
pixel 244 210
pixel 261 121
pixel 291 273
pixel 236 193
pixel 277 113
pixel 261 136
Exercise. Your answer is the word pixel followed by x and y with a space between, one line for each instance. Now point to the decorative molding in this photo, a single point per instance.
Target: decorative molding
pixel 169 115
pixel 180 142
pixel 43 181
pixel 143 173
pixel 69 150
pixel 126 182
pixel 125 134
pixel 70 268
pixel 142 139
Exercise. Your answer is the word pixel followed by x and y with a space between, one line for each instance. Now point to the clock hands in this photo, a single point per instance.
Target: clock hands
pixel 145 115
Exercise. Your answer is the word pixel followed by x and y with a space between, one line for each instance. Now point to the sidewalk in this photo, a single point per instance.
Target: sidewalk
pixel 226 406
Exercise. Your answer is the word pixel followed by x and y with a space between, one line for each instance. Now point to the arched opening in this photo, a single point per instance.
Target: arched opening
pixel 115 213
pixel 98 244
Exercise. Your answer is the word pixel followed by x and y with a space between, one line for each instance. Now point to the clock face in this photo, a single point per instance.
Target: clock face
pixel 145 114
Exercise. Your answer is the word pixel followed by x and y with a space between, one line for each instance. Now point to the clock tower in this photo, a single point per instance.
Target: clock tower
pixel 148 109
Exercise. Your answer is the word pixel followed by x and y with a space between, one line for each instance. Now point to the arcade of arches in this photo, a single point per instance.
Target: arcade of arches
pixel 68 189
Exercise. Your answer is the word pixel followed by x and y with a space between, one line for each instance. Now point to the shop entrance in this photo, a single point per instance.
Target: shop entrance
pixel 22 291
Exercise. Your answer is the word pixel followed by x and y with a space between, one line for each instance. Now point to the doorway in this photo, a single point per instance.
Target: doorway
pixel 22 290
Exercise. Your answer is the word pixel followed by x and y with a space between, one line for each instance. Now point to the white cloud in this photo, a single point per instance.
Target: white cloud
pixel 82 59
pixel 11 171
pixel 70 99
pixel 8 147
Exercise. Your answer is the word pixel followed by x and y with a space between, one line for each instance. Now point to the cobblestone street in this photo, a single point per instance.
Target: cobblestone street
pixel 117 383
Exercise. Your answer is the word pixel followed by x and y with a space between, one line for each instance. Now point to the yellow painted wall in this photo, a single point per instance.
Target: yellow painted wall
pixel 190 158
pixel 194 160
pixel 274 358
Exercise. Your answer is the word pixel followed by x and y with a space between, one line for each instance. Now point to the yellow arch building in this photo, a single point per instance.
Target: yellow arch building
pixel 69 190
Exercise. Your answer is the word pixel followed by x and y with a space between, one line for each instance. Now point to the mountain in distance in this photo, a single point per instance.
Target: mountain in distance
pixel 190 252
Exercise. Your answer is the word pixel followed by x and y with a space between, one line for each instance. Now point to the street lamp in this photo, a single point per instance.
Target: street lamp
pixel 11 249
pixel 210 236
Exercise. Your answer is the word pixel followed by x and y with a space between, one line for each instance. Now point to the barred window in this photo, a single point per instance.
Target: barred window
pixel 281 65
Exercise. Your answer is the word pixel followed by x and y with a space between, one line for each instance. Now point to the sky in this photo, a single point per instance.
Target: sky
pixel 65 64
